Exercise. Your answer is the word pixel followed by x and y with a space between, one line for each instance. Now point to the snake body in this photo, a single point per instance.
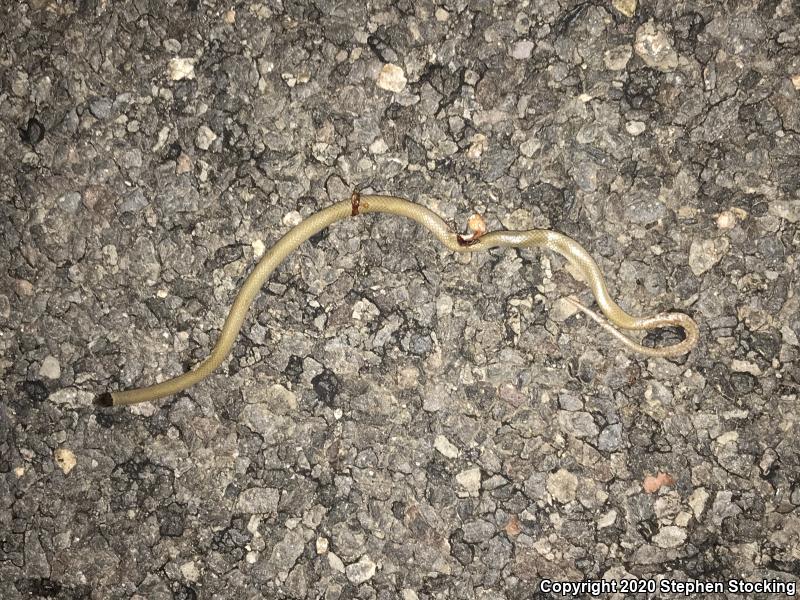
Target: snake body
pixel 477 242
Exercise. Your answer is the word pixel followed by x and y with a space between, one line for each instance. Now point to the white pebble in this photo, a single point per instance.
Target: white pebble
pixel 361 571
pixel 470 480
pixel 204 138
pixel 563 486
pixel 65 459
pixel 392 78
pixel 522 49
pixel 670 537
pixel 445 447
pixel 181 68
pixel 635 127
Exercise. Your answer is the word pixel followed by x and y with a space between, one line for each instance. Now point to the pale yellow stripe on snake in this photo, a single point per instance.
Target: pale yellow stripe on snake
pixel 536 238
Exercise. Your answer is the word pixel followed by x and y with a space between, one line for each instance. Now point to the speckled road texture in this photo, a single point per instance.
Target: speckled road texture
pixel 395 421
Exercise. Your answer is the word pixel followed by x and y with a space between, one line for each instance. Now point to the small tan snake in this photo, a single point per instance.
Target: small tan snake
pixel 477 241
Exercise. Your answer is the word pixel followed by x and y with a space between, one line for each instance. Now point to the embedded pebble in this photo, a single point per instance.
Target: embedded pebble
pixel 654 47
pixel 626 7
pixel 470 480
pixel 335 563
pixel 616 59
pixel 190 571
pixel 530 147
pixel 65 459
pixel 670 537
pixel 180 68
pixel 563 486
pixel 51 368
pixel 607 520
pixel 392 78
pixel 70 202
pixel 322 545
pixel 361 571
pixel 100 107
pixel 445 447
pixel 635 127
pixel 522 49
pixel 205 137
pixel 704 254
pixel 261 500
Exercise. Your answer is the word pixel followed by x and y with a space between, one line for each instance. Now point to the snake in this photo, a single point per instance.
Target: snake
pixel 477 240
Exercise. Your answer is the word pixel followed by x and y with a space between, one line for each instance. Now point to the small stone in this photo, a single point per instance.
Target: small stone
pixel 286 552
pixel 635 128
pixel 180 68
pixel 378 146
pixel 513 526
pixel 562 310
pixel 670 537
pixel 392 78
pixel 23 287
pixel 183 164
pixel 563 486
pixel 470 480
pixel 479 143
pixel 655 48
pixel 100 107
pixel 70 202
pixel 728 437
pixel 258 248
pixel 626 7
pixel 441 15
pixel 616 59
pixel 204 138
pixel 190 571
pixel 33 132
pixel 171 45
pixel 134 201
pixel 51 368
pixel 645 209
pixel 522 49
pixel 610 438
pixel 571 401
pixel 445 447
pixel 361 571
pixel 704 254
pixel 229 17
pixel 578 424
pixel 726 220
pixel 262 500
pixel 479 531
pixel 409 594
pixel 322 545
pixel 653 483
pixel 796 81
pixel 335 563
pixel 786 209
pixel 607 520
pixel 530 147
pixel 65 459
pixel 743 366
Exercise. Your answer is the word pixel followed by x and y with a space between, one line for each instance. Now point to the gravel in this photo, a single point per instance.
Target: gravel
pixel 442 421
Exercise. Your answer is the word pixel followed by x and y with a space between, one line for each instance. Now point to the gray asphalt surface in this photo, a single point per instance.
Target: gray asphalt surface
pixel 396 421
